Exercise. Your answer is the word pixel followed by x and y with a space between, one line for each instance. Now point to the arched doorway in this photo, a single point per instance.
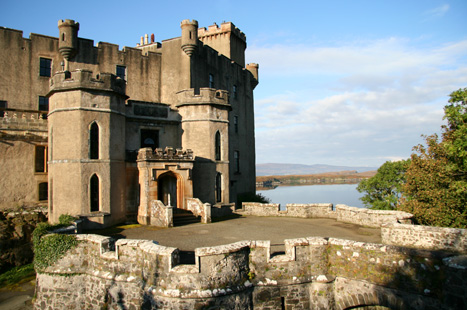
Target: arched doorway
pixel 167 189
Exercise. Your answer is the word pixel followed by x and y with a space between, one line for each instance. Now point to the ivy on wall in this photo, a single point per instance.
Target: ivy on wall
pixel 49 247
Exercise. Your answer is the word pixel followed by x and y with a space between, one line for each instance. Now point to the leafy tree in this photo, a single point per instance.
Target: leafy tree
pixel 383 190
pixel 436 187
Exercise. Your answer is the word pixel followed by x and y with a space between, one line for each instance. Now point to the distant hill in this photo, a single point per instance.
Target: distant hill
pixel 299 169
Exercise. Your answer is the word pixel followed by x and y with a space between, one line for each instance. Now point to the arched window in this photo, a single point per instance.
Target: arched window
pixel 218 145
pixel 218 187
pixel 94 193
pixel 94 141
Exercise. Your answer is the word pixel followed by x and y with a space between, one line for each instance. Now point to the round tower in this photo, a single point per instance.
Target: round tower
pixel 68 39
pixel 205 127
pixel 189 36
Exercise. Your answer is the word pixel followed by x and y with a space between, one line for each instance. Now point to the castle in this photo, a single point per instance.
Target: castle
pixel 139 133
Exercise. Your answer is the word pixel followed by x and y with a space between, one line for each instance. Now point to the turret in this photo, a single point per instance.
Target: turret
pixel 253 68
pixel 68 39
pixel 189 36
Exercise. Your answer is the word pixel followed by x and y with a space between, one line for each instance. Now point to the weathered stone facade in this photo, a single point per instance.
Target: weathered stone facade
pixel 73 116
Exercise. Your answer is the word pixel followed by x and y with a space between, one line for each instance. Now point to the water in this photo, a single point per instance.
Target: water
pixel 336 194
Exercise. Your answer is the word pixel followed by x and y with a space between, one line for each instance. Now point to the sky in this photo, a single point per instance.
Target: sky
pixel 354 83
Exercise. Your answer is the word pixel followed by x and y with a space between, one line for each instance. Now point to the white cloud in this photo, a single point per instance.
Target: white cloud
pixel 439 11
pixel 362 104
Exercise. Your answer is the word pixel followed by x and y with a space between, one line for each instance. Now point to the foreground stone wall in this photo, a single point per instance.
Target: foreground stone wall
pixel 425 237
pixel 314 273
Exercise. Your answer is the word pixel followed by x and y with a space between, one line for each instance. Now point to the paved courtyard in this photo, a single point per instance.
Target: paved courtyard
pixel 275 229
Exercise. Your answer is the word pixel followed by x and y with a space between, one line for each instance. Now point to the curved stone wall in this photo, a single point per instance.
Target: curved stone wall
pixel 314 273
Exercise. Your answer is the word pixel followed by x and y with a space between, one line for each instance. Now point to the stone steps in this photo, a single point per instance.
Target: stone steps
pixel 185 217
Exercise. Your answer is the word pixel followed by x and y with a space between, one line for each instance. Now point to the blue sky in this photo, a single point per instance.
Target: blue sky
pixel 341 82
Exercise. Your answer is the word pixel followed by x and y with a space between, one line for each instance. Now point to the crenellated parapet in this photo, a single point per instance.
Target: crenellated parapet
pixel 205 96
pixel 84 79
pixel 167 154
pixel 215 30
pixel 313 273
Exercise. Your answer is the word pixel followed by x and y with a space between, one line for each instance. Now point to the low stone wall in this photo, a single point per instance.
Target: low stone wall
pixel 343 213
pixel 199 209
pixel 222 210
pixel 371 218
pixel 314 273
pixel 425 237
pixel 315 210
pixel 159 214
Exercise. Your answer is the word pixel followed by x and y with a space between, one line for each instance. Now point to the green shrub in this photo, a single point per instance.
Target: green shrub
pixel 66 219
pixel 251 197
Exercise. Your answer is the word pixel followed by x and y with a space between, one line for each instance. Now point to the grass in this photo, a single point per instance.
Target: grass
pixel 17 275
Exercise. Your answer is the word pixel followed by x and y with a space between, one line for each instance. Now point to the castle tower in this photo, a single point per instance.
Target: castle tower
pixel 87 149
pixel 68 39
pixel 205 127
pixel 226 39
pixel 189 36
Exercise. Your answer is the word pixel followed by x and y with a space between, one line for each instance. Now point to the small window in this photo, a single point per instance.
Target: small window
pixel 218 187
pixel 211 81
pixel 45 67
pixel 237 161
pixel 234 92
pixel 94 193
pixel 121 72
pixel 235 120
pixel 43 191
pixel 40 160
pixel 43 103
pixel 218 146
pixel 94 141
pixel 150 138
pixel 3 105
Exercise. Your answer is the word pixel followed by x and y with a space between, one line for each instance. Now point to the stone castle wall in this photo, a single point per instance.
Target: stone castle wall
pixel 395 225
pixel 314 273
pixel 343 213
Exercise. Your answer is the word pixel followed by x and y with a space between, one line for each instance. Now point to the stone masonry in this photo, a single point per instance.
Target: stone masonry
pixel 313 273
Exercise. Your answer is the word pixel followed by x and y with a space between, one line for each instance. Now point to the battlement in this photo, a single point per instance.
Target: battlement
pixel 205 96
pixel 68 22
pixel 316 271
pixel 168 154
pixel 225 27
pixel 84 79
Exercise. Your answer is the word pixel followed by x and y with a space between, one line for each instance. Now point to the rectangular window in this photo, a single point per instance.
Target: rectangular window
pixel 40 159
pixel 236 124
pixel 211 81
pixel 150 138
pixel 234 91
pixel 43 191
pixel 237 161
pixel 45 67
pixel 121 72
pixel 43 103
pixel 3 105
